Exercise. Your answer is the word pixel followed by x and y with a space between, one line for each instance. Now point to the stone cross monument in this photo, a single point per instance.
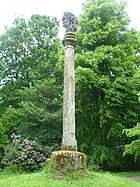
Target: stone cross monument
pixel 69 141
pixel 68 159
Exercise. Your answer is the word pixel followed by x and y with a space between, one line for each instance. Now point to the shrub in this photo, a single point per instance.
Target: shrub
pixel 27 154
pixel 134 147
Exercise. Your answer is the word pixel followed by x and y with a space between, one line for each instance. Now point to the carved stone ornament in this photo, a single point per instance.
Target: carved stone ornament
pixel 70 22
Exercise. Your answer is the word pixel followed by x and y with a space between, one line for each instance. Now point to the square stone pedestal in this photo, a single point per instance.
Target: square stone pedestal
pixel 65 162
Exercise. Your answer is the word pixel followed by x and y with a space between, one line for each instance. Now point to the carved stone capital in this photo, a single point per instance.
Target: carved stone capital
pixel 69 39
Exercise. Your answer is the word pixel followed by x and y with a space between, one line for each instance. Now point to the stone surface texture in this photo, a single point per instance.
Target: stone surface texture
pixel 69 141
pixel 68 161
pixel 70 22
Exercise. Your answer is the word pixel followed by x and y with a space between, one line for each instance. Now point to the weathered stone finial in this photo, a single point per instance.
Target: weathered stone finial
pixel 70 22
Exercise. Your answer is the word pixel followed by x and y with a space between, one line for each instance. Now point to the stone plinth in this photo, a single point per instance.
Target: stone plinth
pixel 65 162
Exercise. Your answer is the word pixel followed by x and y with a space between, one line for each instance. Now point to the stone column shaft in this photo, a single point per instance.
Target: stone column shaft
pixel 69 141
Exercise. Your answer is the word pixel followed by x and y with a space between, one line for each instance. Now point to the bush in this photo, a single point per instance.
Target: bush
pixel 134 147
pixel 27 154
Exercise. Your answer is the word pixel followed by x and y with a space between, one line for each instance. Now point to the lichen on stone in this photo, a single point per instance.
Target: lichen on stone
pixel 67 161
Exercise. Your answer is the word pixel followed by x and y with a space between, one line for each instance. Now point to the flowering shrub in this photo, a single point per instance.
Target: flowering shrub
pixel 27 155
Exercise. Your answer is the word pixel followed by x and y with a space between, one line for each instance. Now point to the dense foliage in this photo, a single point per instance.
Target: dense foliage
pixel 133 148
pixel 106 100
pixel 25 154
pixel 30 97
pixel 107 84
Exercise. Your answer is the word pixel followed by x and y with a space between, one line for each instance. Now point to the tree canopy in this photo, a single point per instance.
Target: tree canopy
pixel 30 96
pixel 106 62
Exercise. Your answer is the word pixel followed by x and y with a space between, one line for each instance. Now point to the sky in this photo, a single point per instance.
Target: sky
pixel 9 9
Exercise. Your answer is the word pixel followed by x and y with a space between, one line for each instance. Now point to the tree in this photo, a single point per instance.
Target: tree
pixel 30 103
pixel 41 112
pixel 133 148
pixel 106 89
pixel 28 52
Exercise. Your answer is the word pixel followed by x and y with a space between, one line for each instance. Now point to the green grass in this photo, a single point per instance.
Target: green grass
pixel 93 179
pixel 128 174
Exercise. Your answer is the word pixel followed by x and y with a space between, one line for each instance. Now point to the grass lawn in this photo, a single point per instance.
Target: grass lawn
pixel 93 179
pixel 128 174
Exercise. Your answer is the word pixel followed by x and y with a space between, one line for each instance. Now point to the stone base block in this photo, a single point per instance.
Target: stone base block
pixel 68 161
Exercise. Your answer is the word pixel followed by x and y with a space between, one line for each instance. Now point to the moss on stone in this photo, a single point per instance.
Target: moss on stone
pixel 68 148
pixel 67 161
pixel 69 39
